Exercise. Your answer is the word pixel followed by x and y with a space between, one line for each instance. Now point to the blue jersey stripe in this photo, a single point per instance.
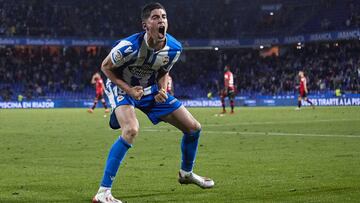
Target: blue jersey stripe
pixel 172 53
pixel 140 65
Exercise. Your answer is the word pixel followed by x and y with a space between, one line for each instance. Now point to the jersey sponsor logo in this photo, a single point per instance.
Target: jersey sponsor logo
pixel 128 50
pixel 141 71
pixel 117 56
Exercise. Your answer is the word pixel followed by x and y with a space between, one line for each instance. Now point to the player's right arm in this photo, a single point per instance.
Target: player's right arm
pixel 107 68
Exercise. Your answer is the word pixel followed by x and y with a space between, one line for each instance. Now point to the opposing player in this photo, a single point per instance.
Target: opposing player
pixel 99 87
pixel 303 90
pixel 136 69
pixel 229 89
pixel 170 85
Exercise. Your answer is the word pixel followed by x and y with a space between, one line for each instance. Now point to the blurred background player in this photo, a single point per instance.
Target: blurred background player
pixel 170 85
pixel 99 88
pixel 229 89
pixel 303 91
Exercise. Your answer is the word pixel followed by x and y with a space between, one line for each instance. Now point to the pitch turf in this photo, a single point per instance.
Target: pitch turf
pixel 255 155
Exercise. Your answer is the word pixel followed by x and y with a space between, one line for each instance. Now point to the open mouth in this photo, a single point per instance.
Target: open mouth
pixel 161 32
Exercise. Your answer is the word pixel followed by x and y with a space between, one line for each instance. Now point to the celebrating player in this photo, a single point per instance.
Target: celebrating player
pixel 229 89
pixel 136 69
pixel 303 91
pixel 99 87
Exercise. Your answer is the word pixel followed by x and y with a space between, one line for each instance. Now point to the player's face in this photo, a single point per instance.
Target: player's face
pixel 156 25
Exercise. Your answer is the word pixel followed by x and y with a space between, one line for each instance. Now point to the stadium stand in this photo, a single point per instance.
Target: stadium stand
pixel 64 72
pixel 242 18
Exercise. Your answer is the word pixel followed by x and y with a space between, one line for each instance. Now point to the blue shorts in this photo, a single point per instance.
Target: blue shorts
pixel 154 110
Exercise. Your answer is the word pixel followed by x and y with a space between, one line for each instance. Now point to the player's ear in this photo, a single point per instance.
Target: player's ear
pixel 144 26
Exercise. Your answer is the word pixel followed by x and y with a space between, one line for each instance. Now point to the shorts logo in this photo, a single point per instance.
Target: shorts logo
pixel 117 56
pixel 119 98
pixel 165 60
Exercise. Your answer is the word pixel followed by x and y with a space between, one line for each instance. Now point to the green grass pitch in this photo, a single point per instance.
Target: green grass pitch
pixel 256 155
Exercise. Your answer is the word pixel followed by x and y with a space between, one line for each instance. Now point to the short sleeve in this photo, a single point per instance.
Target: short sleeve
pixel 120 52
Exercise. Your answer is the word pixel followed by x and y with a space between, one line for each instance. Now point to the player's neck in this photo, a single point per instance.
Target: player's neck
pixel 155 44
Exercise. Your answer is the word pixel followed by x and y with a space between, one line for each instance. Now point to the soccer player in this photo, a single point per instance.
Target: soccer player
pixel 99 88
pixel 303 91
pixel 229 89
pixel 170 85
pixel 136 69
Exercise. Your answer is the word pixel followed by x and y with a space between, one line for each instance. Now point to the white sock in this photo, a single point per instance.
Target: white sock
pixel 185 173
pixel 102 189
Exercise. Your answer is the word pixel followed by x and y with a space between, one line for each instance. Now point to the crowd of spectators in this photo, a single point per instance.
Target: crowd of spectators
pixel 328 66
pixel 41 71
pixel 113 18
pixel 353 19
pixel 196 19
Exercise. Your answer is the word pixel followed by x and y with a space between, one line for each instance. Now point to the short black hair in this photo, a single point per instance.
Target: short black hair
pixel 146 10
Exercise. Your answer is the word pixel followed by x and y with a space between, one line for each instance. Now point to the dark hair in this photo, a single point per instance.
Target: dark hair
pixel 146 10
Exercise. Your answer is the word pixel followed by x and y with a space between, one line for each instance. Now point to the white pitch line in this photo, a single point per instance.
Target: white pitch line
pixel 282 122
pixel 261 133
pixel 273 122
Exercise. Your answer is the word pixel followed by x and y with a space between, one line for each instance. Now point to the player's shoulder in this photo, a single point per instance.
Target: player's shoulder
pixel 173 43
pixel 133 40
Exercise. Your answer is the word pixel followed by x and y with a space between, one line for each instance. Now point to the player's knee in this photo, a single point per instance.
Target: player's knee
pixel 130 132
pixel 196 126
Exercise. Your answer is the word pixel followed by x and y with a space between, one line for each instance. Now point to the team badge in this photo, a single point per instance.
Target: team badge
pixel 119 98
pixel 117 56
pixel 165 60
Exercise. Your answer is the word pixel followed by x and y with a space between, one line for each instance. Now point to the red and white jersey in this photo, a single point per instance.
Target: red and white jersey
pixel 99 86
pixel 229 80
pixel 169 84
pixel 302 84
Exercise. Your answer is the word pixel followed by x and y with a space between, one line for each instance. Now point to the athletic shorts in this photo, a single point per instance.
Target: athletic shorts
pixel 303 94
pixel 154 110
pixel 229 93
pixel 99 96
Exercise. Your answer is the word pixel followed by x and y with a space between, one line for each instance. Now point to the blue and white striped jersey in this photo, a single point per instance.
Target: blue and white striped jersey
pixel 138 64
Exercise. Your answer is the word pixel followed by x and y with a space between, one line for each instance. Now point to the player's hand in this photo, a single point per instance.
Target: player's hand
pixel 136 92
pixel 161 97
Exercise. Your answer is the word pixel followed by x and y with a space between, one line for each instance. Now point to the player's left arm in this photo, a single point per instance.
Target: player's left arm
pixel 172 91
pixel 162 79
pixel 162 84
